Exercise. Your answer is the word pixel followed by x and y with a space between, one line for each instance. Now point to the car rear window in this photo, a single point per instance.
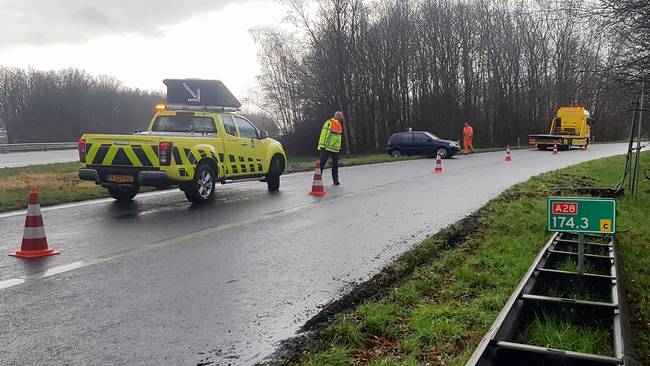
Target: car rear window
pixel 184 124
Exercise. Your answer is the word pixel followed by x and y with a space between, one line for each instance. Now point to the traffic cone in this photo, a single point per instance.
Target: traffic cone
pixel 583 148
pixel 317 187
pixel 34 242
pixel 508 158
pixel 438 168
pixel 554 149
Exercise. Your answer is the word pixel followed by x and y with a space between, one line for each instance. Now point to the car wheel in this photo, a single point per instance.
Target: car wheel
pixel 442 152
pixel 396 153
pixel 273 176
pixel 123 193
pixel 201 189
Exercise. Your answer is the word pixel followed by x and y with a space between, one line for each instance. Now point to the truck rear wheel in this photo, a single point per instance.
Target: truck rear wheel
pixel 273 176
pixel 201 189
pixel 123 193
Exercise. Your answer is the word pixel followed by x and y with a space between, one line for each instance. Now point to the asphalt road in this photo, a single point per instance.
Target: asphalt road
pixel 17 159
pixel 162 282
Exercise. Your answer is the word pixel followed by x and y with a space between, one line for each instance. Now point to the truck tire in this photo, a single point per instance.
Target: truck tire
pixel 123 193
pixel 273 176
pixel 201 189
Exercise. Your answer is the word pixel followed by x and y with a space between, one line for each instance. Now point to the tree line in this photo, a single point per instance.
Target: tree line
pixel 503 66
pixel 51 106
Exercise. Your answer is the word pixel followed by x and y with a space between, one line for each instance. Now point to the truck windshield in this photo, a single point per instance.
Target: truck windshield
pixel 184 124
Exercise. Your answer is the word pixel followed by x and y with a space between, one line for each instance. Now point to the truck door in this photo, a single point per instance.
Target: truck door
pixel 254 148
pixel 233 147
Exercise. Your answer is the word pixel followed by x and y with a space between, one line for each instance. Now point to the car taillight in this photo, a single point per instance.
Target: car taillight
pixel 165 153
pixel 82 150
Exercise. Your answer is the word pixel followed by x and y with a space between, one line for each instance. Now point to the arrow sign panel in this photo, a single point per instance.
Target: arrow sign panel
pixel 200 92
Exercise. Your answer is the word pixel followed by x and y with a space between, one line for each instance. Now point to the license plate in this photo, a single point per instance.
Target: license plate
pixel 120 178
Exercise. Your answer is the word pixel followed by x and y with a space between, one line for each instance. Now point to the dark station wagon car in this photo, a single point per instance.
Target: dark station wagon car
pixel 420 143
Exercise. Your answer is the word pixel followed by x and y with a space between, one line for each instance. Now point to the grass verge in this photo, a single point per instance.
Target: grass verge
pixel 437 301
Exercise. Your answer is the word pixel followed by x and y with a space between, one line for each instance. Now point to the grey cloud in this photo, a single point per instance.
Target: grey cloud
pixel 39 22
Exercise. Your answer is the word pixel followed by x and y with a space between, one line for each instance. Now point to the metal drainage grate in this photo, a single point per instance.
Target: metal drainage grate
pixel 551 289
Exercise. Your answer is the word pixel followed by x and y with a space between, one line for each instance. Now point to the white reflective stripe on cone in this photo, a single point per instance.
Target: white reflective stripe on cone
pixel 318 183
pixel 33 210
pixel 34 233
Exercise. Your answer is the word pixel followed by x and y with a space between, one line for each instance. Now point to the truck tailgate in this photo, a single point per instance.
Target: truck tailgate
pixel 122 150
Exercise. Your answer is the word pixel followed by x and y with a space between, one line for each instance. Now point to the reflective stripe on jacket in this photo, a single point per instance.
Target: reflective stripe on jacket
pixel 330 136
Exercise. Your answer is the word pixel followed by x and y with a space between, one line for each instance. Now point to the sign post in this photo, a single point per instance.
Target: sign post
pixel 581 215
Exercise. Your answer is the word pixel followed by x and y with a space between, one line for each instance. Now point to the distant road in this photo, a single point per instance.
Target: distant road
pixel 12 160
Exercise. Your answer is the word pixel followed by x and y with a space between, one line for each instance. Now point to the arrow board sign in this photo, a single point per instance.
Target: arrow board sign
pixel 200 93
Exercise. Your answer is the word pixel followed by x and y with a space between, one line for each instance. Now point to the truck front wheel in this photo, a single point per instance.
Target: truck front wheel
pixel 123 193
pixel 201 189
pixel 273 176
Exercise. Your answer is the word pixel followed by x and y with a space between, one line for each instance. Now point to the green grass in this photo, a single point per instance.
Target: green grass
pixel 571 265
pixel 552 331
pixel 441 299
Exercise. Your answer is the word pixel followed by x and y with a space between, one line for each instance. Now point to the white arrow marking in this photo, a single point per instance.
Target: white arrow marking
pixel 196 97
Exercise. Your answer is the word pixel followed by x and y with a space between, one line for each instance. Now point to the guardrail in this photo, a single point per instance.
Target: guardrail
pixel 44 146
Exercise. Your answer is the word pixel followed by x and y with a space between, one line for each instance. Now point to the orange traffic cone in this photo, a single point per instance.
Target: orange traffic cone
pixel 438 168
pixel 34 242
pixel 508 158
pixel 317 187
pixel 554 149
pixel 584 147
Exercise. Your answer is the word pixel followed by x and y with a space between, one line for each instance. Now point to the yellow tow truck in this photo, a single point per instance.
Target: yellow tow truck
pixel 571 127
pixel 194 141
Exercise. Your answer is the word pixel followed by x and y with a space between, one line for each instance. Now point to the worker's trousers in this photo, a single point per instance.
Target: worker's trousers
pixel 324 155
pixel 469 147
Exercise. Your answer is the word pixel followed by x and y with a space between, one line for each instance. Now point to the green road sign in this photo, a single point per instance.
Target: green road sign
pixel 581 215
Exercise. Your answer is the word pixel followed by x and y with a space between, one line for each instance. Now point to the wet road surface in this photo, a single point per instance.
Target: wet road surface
pixel 17 159
pixel 160 281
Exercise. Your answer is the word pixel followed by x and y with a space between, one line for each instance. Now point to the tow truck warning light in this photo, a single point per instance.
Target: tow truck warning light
pixel 565 208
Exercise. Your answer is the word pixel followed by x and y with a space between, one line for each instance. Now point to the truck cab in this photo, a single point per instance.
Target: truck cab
pixel 191 145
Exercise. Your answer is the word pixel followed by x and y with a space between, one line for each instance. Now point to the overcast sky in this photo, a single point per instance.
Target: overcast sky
pixel 140 42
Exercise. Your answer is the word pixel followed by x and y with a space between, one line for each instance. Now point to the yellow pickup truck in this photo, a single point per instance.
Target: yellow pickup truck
pixel 193 142
pixel 570 127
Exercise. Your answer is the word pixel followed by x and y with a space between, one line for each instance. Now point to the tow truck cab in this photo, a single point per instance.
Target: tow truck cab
pixel 192 145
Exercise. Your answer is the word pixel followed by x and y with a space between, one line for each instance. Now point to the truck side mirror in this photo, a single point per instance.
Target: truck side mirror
pixel 262 134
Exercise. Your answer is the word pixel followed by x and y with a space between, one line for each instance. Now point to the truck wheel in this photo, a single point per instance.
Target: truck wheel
pixel 201 189
pixel 123 194
pixel 273 177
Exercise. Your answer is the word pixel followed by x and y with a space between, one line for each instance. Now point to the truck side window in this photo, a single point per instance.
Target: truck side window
pixel 246 130
pixel 229 124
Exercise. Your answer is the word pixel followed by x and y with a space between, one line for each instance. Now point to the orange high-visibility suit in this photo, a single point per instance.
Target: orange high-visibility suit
pixel 468 135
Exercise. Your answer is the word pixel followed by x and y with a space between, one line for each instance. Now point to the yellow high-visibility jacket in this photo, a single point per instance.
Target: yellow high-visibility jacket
pixel 330 136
